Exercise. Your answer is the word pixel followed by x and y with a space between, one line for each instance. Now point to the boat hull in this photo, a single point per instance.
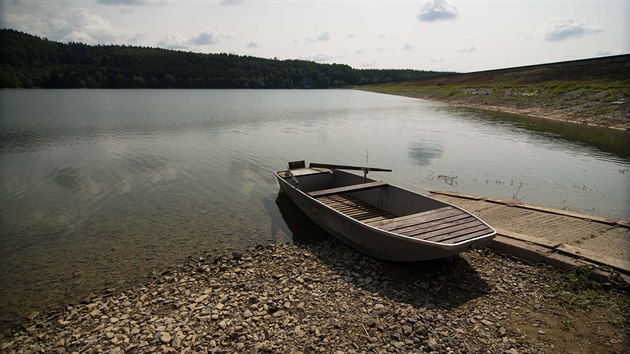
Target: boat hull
pixel 371 240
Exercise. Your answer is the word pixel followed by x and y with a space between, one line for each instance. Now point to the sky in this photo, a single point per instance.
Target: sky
pixel 444 35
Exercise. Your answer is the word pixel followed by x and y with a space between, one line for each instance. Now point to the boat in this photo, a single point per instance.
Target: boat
pixel 379 219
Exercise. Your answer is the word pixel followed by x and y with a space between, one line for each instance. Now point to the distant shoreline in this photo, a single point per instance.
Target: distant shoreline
pixel 593 92
pixel 622 125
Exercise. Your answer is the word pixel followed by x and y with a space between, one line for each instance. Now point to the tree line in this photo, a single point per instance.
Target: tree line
pixel 27 61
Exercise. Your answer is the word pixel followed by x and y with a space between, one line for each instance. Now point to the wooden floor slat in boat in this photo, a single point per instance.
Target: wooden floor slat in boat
pixel 419 218
pixel 446 225
pixel 355 208
pixel 435 225
pixel 445 233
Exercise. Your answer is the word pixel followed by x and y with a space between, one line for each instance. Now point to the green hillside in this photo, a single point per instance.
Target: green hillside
pixel 593 91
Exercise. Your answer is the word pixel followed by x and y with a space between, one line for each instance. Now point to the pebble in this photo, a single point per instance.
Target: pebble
pixel 165 337
pixel 321 298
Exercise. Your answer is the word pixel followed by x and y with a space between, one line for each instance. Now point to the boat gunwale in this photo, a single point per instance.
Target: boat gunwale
pixel 441 245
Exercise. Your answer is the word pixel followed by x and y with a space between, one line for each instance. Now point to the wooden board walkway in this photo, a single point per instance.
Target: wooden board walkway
pixel 593 239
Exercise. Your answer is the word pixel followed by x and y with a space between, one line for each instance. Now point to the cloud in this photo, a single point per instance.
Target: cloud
pixel 368 64
pixel 177 41
pixel 387 36
pixel 206 37
pixel 438 10
pixel 408 46
pixel 70 25
pixel 122 2
pixel 603 53
pixel 468 49
pixel 319 58
pixel 323 36
pixel 232 2
pixel 562 29
pixel 252 44
pixel 174 41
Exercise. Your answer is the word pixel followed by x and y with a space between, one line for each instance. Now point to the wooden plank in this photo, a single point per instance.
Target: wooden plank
pixel 468 236
pixel 349 208
pixel 341 204
pixel 419 218
pixel 356 213
pixel 355 208
pixel 445 236
pixel 411 216
pixel 437 232
pixel 346 189
pixel 345 167
pixel 346 199
pixel 378 218
pixel 370 214
pixel 436 225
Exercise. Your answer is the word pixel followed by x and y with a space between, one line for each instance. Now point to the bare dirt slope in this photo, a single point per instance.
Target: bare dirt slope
pixel 591 91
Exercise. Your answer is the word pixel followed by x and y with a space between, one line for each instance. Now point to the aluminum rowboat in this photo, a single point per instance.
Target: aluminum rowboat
pixel 378 219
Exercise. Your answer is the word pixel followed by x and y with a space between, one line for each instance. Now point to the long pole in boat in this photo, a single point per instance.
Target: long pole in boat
pixel 356 168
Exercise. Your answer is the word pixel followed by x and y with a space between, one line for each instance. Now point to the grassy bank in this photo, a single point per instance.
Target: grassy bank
pixel 595 91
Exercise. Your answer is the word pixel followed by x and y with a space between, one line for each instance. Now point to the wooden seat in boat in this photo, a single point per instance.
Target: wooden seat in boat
pixel 346 189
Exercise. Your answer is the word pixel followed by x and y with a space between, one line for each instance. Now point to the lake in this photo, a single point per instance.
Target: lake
pixel 98 188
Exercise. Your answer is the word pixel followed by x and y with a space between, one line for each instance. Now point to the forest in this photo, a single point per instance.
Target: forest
pixel 27 61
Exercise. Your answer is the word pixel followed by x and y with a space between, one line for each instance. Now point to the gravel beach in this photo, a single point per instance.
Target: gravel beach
pixel 325 297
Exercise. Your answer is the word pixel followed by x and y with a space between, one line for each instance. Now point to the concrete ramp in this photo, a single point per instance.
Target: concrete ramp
pixel 561 238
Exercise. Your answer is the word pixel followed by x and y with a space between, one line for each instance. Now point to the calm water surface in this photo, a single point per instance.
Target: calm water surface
pixel 100 187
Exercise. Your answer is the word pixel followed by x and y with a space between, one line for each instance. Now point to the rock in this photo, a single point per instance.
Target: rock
pixel 201 298
pixel 487 323
pixel 165 337
pixel 31 316
pixel 432 343
pixel 276 299
pixel 407 330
